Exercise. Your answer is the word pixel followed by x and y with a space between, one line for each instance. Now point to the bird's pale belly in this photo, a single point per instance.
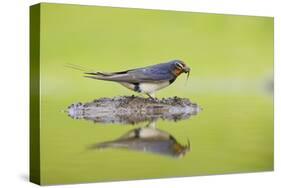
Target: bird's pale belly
pixel 149 88
pixel 152 87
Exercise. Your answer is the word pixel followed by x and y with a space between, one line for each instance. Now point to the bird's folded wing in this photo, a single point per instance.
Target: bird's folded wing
pixel 135 75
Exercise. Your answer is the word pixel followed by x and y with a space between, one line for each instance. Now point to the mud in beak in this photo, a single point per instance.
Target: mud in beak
pixel 187 71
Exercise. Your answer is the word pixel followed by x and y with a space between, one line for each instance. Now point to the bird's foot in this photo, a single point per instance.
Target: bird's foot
pixel 154 99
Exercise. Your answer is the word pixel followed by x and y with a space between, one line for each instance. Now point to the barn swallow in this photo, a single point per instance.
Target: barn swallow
pixel 145 80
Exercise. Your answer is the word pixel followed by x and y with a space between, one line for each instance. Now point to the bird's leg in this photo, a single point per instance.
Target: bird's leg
pixel 151 96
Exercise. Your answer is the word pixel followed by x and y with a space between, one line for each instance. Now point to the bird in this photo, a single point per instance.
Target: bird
pixel 145 80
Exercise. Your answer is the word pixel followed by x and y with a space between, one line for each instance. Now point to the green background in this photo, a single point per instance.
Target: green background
pixel 231 58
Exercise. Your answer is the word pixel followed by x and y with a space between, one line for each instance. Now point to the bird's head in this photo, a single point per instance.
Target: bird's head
pixel 180 150
pixel 179 67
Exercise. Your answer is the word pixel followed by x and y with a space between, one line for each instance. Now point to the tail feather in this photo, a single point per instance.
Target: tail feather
pixel 121 76
pixel 98 78
pixel 99 73
pixel 108 76
pixel 76 67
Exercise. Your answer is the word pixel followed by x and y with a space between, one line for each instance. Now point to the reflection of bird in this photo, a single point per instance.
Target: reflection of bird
pixel 148 139
pixel 145 80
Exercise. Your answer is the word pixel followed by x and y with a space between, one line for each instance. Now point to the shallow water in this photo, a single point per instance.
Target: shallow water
pixel 240 139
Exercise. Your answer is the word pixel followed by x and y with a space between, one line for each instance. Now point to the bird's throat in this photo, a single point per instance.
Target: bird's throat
pixel 177 72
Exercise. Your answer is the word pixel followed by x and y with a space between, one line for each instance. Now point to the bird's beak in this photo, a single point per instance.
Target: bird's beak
pixel 187 71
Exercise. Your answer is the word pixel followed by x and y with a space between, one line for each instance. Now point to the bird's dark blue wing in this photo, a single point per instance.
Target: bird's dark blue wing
pixel 154 73
pixel 160 72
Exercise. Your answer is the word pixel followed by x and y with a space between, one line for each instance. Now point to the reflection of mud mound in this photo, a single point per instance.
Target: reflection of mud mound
pixel 132 109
